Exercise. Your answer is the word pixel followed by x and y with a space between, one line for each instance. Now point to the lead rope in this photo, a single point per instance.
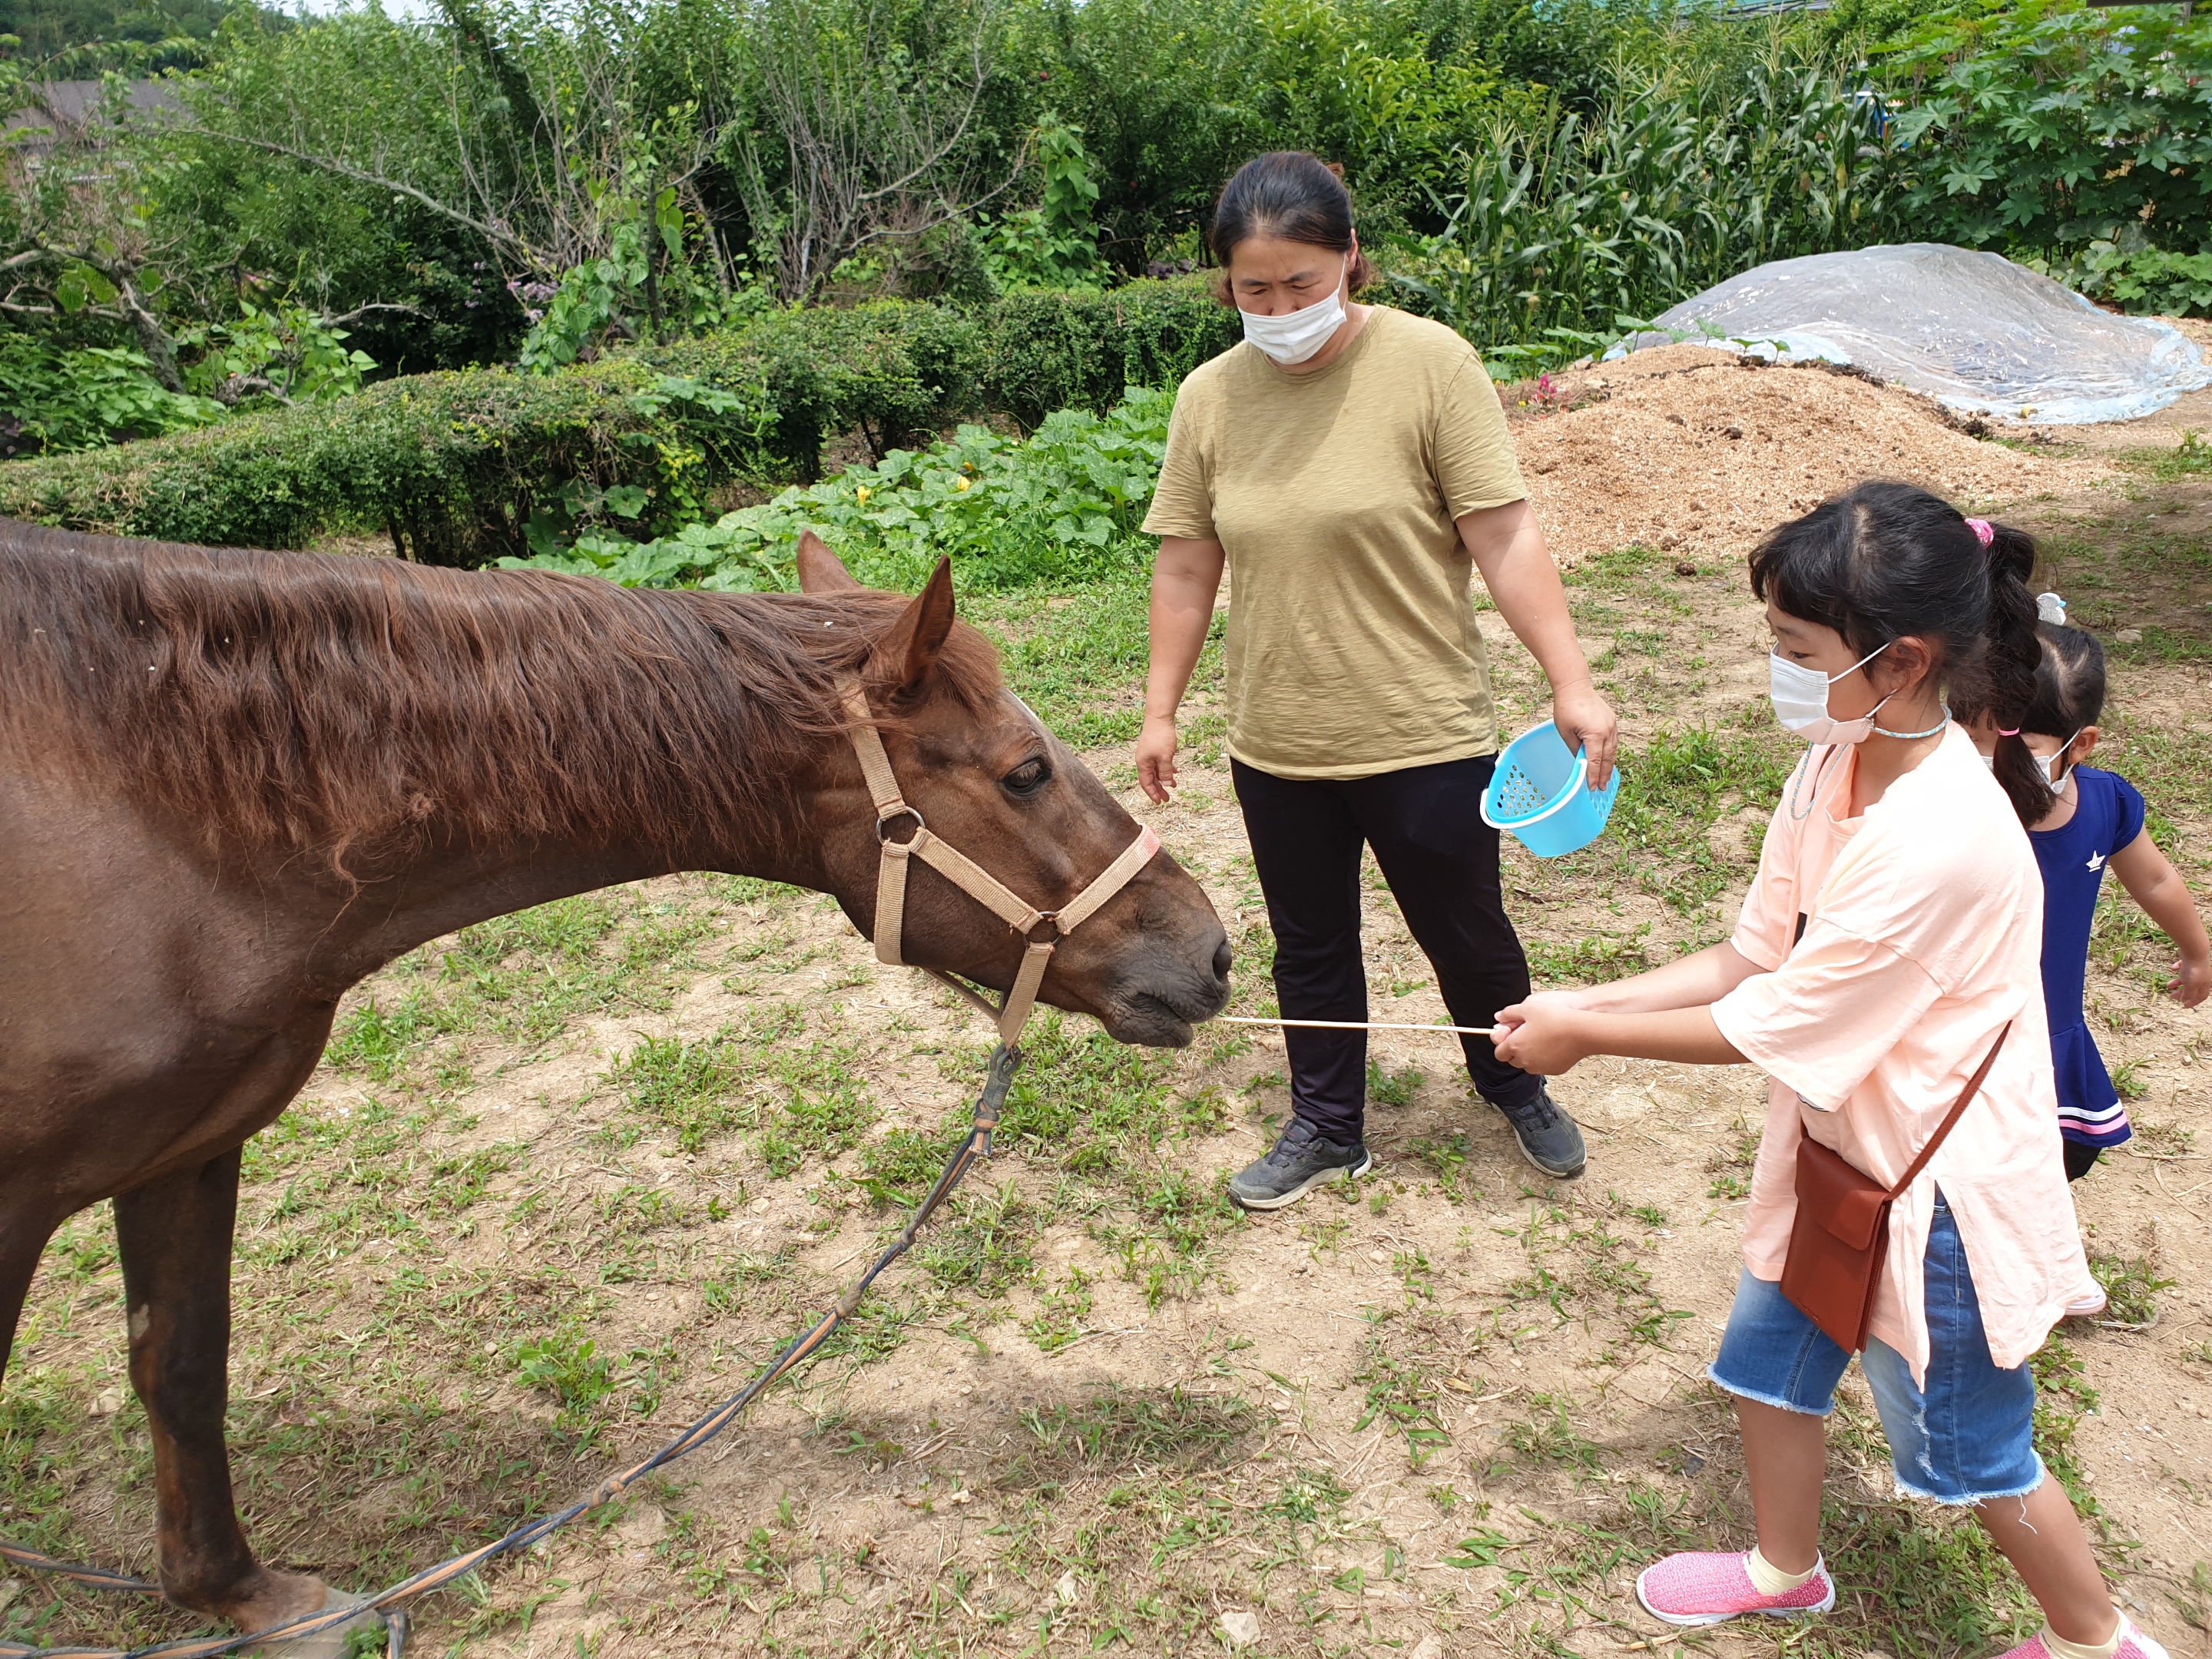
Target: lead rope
pixel 1010 1017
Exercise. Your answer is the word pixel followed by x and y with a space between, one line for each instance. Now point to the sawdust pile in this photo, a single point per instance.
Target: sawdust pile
pixel 1690 451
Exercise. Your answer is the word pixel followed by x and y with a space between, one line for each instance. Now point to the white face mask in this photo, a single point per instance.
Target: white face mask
pixel 1801 699
pixel 2055 772
pixel 1296 336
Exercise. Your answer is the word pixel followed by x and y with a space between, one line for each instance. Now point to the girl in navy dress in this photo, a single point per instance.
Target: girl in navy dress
pixel 2095 819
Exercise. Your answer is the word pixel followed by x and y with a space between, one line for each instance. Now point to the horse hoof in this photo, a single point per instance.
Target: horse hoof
pixel 333 1642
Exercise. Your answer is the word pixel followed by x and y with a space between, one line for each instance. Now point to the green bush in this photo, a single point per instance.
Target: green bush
pixel 1064 505
pixel 2145 282
pixel 452 466
pixel 51 399
pixel 2052 130
pixel 1045 351
pixel 466 466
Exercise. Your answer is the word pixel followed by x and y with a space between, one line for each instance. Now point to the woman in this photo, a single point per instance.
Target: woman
pixel 1351 463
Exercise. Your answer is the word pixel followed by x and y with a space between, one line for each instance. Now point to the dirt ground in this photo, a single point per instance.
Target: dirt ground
pixel 565 1181
pixel 1689 448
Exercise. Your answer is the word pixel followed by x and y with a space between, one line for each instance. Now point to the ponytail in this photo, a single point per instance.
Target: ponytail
pixel 2011 655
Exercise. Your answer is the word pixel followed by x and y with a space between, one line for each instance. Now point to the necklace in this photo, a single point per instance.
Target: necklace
pixel 1798 776
pixel 1929 732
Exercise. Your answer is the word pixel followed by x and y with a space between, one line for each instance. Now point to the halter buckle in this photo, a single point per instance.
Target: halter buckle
pixel 901 811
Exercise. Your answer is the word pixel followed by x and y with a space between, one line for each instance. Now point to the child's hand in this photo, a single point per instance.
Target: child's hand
pixel 1543 1035
pixel 1581 999
pixel 2194 983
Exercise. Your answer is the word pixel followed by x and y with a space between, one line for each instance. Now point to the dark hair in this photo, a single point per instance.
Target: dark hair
pixel 1887 561
pixel 2070 684
pixel 1292 194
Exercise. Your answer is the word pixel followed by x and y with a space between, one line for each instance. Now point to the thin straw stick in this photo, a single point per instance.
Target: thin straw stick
pixel 1493 1032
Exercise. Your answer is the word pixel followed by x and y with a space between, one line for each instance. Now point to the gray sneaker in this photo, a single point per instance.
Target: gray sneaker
pixel 1301 1159
pixel 1548 1135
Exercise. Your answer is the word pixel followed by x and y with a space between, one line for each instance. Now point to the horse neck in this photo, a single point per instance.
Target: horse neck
pixel 407 901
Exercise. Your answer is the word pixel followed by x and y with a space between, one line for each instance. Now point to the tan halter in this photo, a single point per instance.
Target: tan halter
pixel 974 880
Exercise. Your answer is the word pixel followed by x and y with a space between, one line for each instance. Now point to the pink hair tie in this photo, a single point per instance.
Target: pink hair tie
pixel 2005 732
pixel 1983 533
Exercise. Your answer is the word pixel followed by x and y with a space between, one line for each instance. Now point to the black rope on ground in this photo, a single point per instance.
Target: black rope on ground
pixel 1005 1062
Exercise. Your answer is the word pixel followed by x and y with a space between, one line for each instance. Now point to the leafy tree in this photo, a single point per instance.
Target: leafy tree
pixel 1160 91
pixel 865 139
pixel 1055 244
pixel 176 31
pixel 2052 131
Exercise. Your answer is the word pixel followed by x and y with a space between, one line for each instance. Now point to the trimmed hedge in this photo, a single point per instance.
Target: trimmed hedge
pixel 453 466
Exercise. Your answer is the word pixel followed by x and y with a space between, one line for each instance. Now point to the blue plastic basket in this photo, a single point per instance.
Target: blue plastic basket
pixel 1539 795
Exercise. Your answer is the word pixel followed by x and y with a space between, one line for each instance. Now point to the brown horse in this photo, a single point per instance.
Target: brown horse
pixel 232 784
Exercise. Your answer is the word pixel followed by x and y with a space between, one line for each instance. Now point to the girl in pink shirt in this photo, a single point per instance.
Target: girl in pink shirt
pixel 1891 940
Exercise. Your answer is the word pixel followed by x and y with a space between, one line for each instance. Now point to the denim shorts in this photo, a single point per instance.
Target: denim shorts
pixel 1966 1438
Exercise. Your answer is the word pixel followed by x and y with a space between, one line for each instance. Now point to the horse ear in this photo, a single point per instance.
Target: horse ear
pixel 821 571
pixel 910 648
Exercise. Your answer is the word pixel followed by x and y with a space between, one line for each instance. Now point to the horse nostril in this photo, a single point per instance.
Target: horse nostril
pixel 1222 958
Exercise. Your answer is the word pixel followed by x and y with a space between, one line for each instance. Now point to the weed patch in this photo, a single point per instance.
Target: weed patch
pixel 2131 1286
pixel 1118 1428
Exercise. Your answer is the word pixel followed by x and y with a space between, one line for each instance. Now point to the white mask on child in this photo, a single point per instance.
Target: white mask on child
pixel 1801 699
pixel 2054 773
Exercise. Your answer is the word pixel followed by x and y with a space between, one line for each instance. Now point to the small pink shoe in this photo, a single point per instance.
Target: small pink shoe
pixel 1703 1587
pixel 2134 1645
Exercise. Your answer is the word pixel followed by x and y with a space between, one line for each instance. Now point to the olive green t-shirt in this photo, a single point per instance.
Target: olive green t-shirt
pixel 1352 644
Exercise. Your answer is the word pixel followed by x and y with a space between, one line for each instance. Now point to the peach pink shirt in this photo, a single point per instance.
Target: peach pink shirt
pixel 1923 936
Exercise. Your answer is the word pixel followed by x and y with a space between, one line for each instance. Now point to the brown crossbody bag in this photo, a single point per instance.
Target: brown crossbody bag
pixel 1841 1234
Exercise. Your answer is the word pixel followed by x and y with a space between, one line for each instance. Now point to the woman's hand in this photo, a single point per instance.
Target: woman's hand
pixel 1587 721
pixel 1546 1034
pixel 1155 753
pixel 1508 548
pixel 1185 577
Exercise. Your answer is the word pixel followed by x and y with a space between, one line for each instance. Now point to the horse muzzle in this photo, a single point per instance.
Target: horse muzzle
pixel 1167 988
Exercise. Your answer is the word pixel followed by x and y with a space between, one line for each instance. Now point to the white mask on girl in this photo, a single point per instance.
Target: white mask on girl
pixel 1296 335
pixel 1801 699
pixel 2052 767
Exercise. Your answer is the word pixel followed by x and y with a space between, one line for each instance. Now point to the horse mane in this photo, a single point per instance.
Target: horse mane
pixel 332 704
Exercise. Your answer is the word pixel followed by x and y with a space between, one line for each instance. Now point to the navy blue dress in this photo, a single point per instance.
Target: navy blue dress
pixel 2108 814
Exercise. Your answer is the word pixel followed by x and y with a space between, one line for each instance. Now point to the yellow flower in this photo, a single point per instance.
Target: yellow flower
pixel 863 492
pixel 963 484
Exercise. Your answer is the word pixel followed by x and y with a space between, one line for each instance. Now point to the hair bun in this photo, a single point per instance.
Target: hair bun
pixel 2049 608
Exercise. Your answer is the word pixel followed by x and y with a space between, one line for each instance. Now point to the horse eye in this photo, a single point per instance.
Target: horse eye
pixel 1028 778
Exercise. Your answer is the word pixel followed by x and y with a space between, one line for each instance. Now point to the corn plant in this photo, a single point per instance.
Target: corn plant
pixel 1562 228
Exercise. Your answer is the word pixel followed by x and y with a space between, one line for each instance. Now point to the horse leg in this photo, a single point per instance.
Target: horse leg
pixel 175 1236
pixel 20 1245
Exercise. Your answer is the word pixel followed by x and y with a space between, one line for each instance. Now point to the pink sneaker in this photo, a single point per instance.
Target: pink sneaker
pixel 1703 1587
pixel 2134 1645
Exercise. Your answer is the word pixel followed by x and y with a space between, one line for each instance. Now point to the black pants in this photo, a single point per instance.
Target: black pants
pixel 1441 861
pixel 2079 1158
